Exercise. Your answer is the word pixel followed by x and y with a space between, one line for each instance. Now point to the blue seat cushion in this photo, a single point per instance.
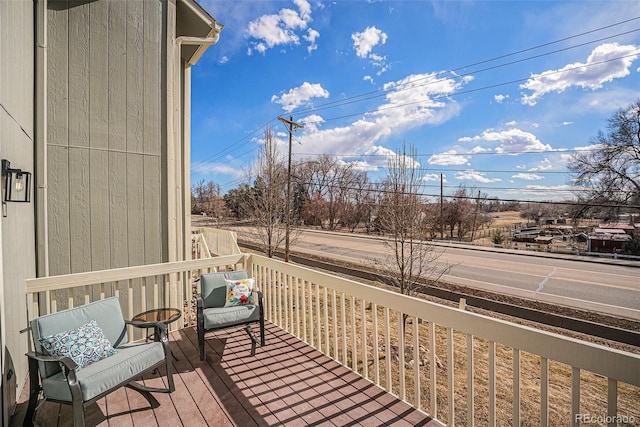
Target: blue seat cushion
pixel 106 374
pixel 221 317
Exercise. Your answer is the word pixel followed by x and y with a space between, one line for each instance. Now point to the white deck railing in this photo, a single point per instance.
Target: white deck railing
pixel 467 369
pixel 199 247
pixel 219 242
pixel 139 288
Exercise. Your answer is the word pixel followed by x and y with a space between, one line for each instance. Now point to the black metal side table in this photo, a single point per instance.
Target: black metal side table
pixel 148 318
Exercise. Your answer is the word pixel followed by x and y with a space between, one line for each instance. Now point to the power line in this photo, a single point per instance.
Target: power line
pixel 233 147
pixel 410 85
pixel 471 197
pixel 468 153
pixel 449 95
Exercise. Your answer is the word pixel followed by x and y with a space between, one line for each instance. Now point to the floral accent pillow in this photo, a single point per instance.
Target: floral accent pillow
pixel 239 292
pixel 85 345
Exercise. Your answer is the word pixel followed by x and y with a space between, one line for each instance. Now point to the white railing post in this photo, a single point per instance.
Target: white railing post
pixel 544 391
pixel 470 382
pixel 575 395
pixel 516 387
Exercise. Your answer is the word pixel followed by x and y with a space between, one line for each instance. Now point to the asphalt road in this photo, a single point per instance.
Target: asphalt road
pixel 581 282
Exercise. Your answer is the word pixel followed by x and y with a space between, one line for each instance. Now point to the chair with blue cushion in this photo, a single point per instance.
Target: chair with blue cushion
pixel 82 354
pixel 215 312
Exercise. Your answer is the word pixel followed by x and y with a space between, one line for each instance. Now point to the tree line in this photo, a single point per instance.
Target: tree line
pixel 330 194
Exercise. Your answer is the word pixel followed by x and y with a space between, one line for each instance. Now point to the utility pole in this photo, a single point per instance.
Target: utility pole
pixel 475 215
pixel 291 127
pixel 441 209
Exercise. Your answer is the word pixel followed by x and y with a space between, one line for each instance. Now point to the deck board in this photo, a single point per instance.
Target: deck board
pixel 287 383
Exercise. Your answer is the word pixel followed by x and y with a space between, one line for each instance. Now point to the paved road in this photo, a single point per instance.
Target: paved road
pixel 579 282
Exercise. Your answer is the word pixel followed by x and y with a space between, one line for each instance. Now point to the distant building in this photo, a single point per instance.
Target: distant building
pixel 607 240
pixel 626 228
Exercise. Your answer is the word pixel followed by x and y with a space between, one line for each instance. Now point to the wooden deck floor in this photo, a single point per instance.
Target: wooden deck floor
pixel 287 383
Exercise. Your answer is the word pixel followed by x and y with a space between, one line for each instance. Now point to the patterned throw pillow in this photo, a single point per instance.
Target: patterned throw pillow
pixel 85 345
pixel 239 292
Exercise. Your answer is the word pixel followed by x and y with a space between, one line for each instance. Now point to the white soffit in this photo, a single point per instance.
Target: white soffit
pixel 193 21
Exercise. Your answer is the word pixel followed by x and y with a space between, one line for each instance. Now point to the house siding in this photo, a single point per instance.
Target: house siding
pixel 17 230
pixel 105 135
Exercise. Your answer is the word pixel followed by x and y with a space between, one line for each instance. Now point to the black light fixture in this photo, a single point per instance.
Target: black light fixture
pixel 16 185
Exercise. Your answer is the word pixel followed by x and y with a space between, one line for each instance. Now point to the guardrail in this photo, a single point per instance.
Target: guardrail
pixel 219 242
pixel 455 362
pixel 199 246
pixel 139 288
pixel 462 368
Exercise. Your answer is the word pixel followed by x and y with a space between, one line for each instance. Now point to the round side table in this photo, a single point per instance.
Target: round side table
pixel 148 318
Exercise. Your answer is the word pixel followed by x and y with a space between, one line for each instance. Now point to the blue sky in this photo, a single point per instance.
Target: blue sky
pixel 493 94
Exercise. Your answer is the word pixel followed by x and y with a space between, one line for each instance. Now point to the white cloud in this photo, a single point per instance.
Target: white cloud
pixel 567 156
pixel 475 176
pixel 311 37
pixel 219 168
pixel 545 192
pixel 414 101
pixel 224 60
pixel 311 122
pixel 510 141
pixel 365 41
pixel 282 29
pixel 528 176
pixel 601 67
pixel 305 9
pixel 542 166
pixel 379 151
pixel 368 79
pixel 477 149
pixel 363 44
pixel 300 95
pixel 360 165
pixel 511 123
pixel 567 123
pixel 382 156
pixel 433 177
pixel 499 98
pixel 449 158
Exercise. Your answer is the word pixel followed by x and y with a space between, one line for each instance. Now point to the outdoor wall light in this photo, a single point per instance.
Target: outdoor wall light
pixel 16 185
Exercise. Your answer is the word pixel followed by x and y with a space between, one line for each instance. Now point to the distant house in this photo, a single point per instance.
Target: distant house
pixel 607 240
pixel 626 228
pixel 527 235
pixel 95 105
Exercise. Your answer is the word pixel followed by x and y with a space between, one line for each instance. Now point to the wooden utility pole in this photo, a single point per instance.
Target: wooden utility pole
pixel 291 127
pixel 475 215
pixel 441 209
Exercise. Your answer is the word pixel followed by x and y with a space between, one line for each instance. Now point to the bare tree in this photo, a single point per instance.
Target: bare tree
pixel 401 215
pixel 458 214
pixel 267 199
pixel 206 198
pixel 237 201
pixel 358 207
pixel 328 184
pixel 610 172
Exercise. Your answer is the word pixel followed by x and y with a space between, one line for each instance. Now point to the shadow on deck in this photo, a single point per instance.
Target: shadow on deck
pixel 286 383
